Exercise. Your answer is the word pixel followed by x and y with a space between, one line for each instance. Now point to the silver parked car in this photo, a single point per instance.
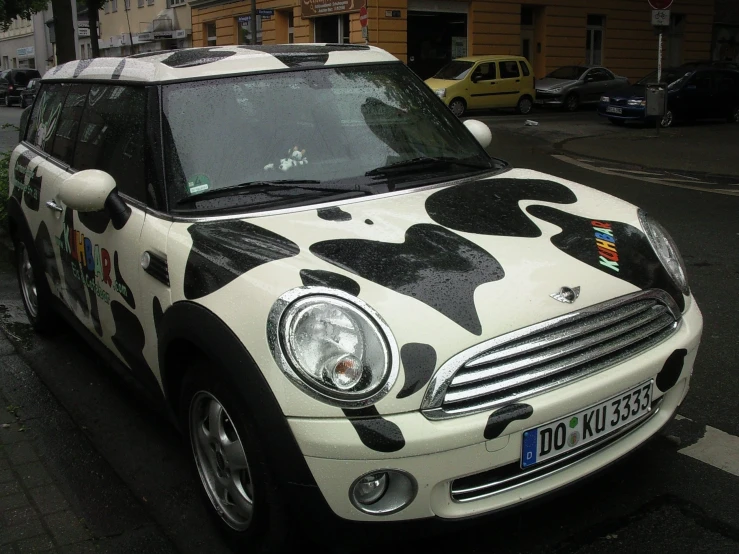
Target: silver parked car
pixel 570 86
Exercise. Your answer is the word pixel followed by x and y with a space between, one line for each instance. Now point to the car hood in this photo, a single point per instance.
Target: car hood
pixel 549 83
pixel 448 267
pixel 628 92
pixel 436 84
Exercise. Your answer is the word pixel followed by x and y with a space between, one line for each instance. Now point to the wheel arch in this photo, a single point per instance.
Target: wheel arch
pixel 188 329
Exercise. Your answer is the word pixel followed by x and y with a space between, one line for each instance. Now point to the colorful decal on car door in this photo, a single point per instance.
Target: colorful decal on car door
pixel 422 267
pixel 637 262
pixel 671 371
pixel 499 419
pixel 491 206
pixel 320 278
pixel 225 250
pixel 374 431
pixel 419 362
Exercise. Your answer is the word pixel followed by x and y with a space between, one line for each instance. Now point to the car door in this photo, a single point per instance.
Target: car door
pixel 509 83
pixel 595 83
pixel 726 94
pixel 483 86
pixel 696 96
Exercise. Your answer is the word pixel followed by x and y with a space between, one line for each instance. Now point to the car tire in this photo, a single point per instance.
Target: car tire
pixel 572 102
pixel 734 115
pixel 251 512
pixel 458 107
pixel 35 292
pixel 525 105
pixel 668 120
pixel 615 121
pixel 7 101
pixel 23 103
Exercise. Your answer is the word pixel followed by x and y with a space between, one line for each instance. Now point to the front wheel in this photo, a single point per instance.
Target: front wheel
pixel 230 462
pixel 668 119
pixel 7 101
pixel 458 107
pixel 524 105
pixel 35 291
pixel 23 103
pixel 734 115
pixel 572 102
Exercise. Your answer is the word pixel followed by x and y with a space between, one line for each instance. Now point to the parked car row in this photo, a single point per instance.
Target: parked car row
pixel 695 90
pixel 14 83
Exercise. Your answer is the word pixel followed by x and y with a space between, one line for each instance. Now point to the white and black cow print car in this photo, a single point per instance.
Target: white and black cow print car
pixel 351 309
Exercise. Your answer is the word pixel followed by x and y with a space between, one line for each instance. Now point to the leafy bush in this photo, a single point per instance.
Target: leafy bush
pixel 4 186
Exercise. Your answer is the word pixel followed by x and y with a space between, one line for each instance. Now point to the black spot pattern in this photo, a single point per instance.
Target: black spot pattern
pixel 490 207
pixel 499 419
pixel 375 432
pixel 118 71
pixel 433 265
pixel 156 308
pixel 303 56
pixel 672 370
pixel 419 361
pixel 81 66
pixel 320 278
pixel 196 56
pixel 223 251
pixel 129 339
pixel 75 287
pixel 334 214
pixel 369 222
pixel 637 262
pixel 34 182
pixel 96 222
pixel 127 294
pixel 119 211
pixel 45 250
pixel 95 315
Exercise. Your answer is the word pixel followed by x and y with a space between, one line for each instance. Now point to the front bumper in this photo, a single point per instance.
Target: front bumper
pixel 438 452
pixel 546 99
pixel 628 113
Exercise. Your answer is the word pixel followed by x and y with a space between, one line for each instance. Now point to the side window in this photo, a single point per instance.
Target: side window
pixel 69 122
pixel 524 68
pixel 509 70
pixel 45 116
pixel 701 81
pixel 485 71
pixel 597 75
pixel 112 136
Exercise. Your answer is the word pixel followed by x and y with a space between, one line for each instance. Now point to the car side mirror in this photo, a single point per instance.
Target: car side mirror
pixel 93 190
pixel 480 131
pixel 589 79
pixel 25 116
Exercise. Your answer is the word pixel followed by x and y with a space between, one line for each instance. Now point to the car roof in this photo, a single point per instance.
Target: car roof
pixel 492 58
pixel 194 63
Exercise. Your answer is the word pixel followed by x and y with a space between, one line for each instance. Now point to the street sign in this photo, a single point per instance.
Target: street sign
pixel 363 17
pixel 661 18
pixel 660 4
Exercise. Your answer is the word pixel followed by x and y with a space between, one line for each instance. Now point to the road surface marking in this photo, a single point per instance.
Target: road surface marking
pixel 716 448
pixel 620 173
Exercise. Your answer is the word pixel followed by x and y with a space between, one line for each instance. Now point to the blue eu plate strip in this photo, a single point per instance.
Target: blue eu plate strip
pixel 528 454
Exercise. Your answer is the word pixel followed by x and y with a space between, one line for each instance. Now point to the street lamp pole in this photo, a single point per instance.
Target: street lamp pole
pixel 126 8
pixel 253 22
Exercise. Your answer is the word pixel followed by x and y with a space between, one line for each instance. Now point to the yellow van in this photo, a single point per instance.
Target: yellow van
pixel 482 82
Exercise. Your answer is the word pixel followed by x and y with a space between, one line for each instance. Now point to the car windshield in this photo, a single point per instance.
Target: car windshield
pixel 455 71
pixel 571 73
pixel 323 131
pixel 669 76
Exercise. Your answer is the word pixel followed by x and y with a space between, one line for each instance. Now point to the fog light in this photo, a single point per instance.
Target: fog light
pixel 370 488
pixel 383 492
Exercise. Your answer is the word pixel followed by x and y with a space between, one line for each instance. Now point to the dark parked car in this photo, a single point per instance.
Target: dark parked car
pixel 13 82
pixel 29 93
pixel 570 86
pixel 692 93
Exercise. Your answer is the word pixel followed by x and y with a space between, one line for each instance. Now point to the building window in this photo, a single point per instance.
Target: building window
pixel 107 7
pixel 173 3
pixel 115 5
pixel 290 28
pixel 594 40
pixel 150 2
pixel 210 33
pixel 141 3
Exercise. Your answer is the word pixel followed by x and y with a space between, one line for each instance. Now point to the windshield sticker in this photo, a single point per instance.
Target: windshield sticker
pixel 608 255
pixel 198 183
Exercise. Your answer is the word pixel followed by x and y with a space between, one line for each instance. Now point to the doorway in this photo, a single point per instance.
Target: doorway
pixel 332 29
pixel 527 33
pixel 435 39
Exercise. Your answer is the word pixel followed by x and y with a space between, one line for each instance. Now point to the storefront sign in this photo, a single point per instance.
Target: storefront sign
pixel 313 8
pixel 166 35
pixel 145 37
pixel 25 52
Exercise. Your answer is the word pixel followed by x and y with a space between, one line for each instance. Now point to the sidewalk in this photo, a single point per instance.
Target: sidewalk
pixel 711 148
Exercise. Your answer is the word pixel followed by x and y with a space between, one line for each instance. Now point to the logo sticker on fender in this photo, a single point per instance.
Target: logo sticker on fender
pixel 606 243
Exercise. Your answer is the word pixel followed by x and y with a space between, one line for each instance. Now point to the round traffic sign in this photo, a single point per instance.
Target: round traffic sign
pixel 660 4
pixel 363 17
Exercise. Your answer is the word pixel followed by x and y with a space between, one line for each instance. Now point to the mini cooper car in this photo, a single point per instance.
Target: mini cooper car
pixel 353 312
pixel 484 82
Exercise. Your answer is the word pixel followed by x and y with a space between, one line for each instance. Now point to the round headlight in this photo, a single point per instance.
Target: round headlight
pixel 339 350
pixel 666 251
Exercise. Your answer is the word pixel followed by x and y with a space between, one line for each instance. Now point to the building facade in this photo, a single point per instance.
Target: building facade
pixel 428 33
pixel 17 48
pixel 726 31
pixel 136 26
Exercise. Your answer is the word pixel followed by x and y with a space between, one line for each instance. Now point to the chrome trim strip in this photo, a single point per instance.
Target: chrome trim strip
pixel 433 399
pixel 593 448
pixel 275 344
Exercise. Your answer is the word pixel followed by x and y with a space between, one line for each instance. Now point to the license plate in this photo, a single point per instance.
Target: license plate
pixel 576 430
pixel 537 101
pixel 612 109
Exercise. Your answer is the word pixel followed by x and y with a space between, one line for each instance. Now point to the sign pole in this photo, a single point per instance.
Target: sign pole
pixel 659 72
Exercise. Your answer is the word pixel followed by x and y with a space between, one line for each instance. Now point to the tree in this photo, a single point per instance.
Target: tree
pixel 93 7
pixel 11 9
pixel 64 31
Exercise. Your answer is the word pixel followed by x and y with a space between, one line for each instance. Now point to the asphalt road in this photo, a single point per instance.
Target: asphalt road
pixel 659 499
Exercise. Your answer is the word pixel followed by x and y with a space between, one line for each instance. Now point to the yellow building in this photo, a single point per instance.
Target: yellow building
pixel 427 33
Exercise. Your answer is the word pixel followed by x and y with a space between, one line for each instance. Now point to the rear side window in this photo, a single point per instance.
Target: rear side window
pixel 21 79
pixel 69 122
pixel 45 117
pixel 509 70
pixel 524 69
pixel 112 136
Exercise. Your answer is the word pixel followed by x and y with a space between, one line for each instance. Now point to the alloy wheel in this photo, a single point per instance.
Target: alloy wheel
pixel 457 107
pixel 524 105
pixel 28 281
pixel 573 102
pixel 668 119
pixel 221 461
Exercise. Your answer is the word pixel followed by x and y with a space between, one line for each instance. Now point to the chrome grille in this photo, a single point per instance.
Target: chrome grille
pixel 551 354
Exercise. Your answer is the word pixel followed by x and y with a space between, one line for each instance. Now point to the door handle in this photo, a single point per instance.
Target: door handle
pixel 54 206
pixel 518 80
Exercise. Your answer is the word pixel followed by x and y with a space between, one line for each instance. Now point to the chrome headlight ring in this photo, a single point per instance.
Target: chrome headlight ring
pixel 287 310
pixel 666 250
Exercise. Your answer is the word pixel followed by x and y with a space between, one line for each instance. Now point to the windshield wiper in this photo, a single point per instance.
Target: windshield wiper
pixel 424 161
pixel 261 186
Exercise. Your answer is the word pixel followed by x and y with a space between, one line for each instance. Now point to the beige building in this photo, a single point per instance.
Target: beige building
pixel 135 26
pixel 17 45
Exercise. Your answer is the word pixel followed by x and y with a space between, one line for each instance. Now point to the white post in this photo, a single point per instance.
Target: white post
pixel 76 32
pixel 659 59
